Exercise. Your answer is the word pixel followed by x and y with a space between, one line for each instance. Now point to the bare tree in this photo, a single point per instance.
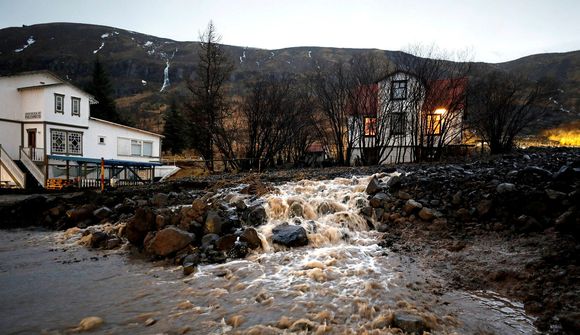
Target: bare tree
pixel 274 112
pixel 503 105
pixel 209 109
pixel 331 87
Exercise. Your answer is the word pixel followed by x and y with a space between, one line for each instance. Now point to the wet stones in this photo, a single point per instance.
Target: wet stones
pixel 255 216
pixel 250 236
pixel 290 235
pixel 378 200
pixel 373 186
pixel 412 206
pixel 213 223
pixel 142 223
pixel 102 213
pixel 190 263
pixel 426 214
pixel 409 323
pixel 505 188
pixel 168 241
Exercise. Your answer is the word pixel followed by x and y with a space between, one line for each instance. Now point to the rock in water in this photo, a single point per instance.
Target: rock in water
pixel 250 236
pixel 88 324
pixel 142 222
pixel 373 186
pixel 169 240
pixel 255 216
pixel 238 250
pixel 290 236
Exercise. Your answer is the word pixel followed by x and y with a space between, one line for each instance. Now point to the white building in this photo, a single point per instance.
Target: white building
pixel 401 118
pixel 46 132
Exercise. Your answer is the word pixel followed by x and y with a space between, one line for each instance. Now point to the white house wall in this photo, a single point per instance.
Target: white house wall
pixel 112 134
pixel 10 108
pixel 10 137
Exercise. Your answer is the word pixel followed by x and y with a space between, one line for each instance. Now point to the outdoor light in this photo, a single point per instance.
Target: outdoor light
pixel 440 111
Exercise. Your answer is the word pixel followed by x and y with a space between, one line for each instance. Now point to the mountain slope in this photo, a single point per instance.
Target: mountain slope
pixel 136 64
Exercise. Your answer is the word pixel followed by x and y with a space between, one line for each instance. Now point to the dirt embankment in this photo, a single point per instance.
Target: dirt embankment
pixel 508 224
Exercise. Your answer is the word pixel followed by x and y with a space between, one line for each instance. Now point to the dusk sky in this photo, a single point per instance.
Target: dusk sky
pixel 493 30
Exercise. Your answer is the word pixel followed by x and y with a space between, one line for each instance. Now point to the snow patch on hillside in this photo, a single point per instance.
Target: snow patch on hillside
pixel 105 35
pixel 148 44
pixel 309 54
pixel 99 49
pixel 30 41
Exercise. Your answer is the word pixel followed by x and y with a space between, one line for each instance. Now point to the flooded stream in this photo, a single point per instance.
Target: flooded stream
pixel 342 282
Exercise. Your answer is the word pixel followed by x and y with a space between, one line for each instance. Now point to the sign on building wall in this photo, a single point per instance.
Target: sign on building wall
pixel 32 115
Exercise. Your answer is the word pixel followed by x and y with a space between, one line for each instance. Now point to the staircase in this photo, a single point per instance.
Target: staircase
pixel 27 155
pixel 12 169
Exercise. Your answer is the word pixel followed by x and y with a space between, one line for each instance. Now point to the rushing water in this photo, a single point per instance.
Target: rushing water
pixel 342 282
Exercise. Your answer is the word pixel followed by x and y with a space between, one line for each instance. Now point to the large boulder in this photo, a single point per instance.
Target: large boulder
pixel 140 224
pixel 290 235
pixel 168 241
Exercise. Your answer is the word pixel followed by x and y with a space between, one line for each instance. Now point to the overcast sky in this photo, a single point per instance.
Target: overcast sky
pixel 494 30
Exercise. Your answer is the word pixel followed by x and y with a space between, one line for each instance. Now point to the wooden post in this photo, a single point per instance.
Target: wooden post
pixel 102 174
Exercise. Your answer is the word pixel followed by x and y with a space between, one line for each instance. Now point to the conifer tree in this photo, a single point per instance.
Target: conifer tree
pixel 101 89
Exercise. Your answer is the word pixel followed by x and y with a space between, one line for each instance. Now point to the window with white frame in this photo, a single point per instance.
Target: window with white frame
pixel 130 147
pixel 75 106
pixel 59 103
pixel 58 141
pixel 66 142
pixel 101 140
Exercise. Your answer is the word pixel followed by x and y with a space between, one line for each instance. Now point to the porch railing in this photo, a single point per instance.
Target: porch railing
pixel 35 154
pixel 31 166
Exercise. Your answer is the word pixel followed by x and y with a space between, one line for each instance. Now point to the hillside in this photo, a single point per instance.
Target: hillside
pixel 136 64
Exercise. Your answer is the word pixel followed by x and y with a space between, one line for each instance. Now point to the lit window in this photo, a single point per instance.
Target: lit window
pixel 399 90
pixel 398 123
pixel 76 106
pixel 59 103
pixel 370 126
pixel 434 124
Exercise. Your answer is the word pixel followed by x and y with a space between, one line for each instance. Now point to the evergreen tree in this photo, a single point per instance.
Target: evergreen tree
pixel 174 131
pixel 102 90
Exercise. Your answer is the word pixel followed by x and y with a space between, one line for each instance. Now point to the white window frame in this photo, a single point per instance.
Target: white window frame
pixel 59 103
pixel 134 142
pixel 102 140
pixel 75 106
pixel 69 136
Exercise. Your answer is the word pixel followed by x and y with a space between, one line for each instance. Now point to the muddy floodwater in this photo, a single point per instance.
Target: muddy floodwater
pixel 342 282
